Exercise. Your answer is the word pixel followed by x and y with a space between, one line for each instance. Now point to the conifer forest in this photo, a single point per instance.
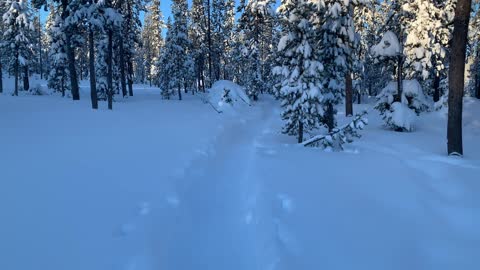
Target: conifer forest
pixel 239 134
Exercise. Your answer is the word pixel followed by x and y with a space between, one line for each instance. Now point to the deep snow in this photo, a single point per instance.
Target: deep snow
pixel 158 184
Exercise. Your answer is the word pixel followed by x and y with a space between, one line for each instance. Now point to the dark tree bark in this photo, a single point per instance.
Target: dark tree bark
pixel 300 131
pixel 456 77
pixel 40 48
pixel 436 88
pixel 348 95
pixel 26 81
pixel 1 79
pixel 359 97
pixel 398 98
pixel 130 77
pixel 123 80
pixel 70 55
pixel 17 72
pixel 91 62
pixel 209 39
pixel 179 93
pixel 110 70
pixel 329 117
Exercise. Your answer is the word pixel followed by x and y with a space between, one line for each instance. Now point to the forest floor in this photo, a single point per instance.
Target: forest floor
pixel 168 184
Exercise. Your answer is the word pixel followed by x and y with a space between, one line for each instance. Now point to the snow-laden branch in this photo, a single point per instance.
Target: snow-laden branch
pixel 339 136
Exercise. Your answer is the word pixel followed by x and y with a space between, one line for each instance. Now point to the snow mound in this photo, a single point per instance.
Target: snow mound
pixel 401 116
pixel 387 47
pixel 412 94
pixel 225 95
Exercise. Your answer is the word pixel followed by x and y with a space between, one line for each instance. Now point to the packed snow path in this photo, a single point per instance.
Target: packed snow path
pixel 216 211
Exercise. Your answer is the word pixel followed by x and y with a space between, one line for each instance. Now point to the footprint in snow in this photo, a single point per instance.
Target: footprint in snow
pixel 286 202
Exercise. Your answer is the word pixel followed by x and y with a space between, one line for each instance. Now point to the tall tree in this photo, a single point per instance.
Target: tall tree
pixel 17 36
pixel 456 77
pixel 299 68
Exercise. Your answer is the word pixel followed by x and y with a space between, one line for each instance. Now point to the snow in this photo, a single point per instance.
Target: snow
pixel 217 96
pixel 402 116
pixel 166 184
pixel 387 47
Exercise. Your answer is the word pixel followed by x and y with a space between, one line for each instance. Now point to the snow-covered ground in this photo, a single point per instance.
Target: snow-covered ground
pixel 158 184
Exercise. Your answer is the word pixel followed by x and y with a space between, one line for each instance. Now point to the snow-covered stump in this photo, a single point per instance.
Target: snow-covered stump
pixel 335 139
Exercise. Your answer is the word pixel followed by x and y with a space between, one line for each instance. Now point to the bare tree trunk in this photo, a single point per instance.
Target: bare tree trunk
pixel 300 131
pixel 16 71
pixel 359 97
pixel 93 80
pixel 436 88
pixel 26 81
pixel 179 93
pixel 110 70
pixel 329 115
pixel 1 79
pixel 399 78
pixel 209 37
pixel 70 55
pixel 456 77
pixel 40 47
pixel 122 70
pixel 348 94
pixel 130 77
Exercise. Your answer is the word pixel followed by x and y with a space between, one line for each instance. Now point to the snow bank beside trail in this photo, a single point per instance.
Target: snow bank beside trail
pixel 225 95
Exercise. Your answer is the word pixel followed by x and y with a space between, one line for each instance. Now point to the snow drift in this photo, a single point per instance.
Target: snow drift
pixel 225 95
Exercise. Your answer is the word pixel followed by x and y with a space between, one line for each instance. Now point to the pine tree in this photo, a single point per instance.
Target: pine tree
pixel 167 72
pixel 17 36
pixel 336 37
pixel 256 23
pixel 179 46
pixel 199 48
pixel 153 40
pixel 57 78
pixel 299 68
pixel 456 77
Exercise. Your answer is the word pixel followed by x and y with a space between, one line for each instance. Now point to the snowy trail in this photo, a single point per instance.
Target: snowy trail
pixel 216 210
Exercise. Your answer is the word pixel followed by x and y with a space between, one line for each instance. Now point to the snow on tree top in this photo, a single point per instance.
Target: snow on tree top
pixel 388 46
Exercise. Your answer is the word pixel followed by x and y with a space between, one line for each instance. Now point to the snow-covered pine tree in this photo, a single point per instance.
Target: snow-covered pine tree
pixel 256 22
pixel 179 46
pixel 131 36
pixel 166 73
pixel 152 39
pixel 336 37
pixel 16 38
pixel 427 41
pixel 299 69
pixel 57 55
pixel 199 48
pixel 2 29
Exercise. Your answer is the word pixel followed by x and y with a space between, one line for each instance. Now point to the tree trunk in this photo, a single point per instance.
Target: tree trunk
pixel 456 77
pixel 1 79
pixel 40 48
pixel 26 81
pixel 436 88
pixel 179 93
pixel 399 78
pixel 329 115
pixel 348 95
pixel 359 97
pixel 209 37
pixel 16 71
pixel 122 70
pixel 91 62
pixel 300 131
pixel 110 70
pixel 70 55
pixel 130 77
